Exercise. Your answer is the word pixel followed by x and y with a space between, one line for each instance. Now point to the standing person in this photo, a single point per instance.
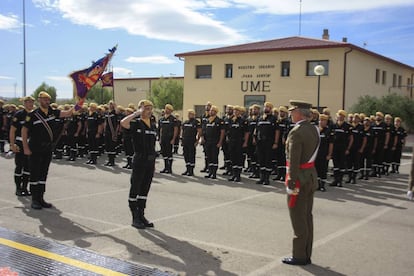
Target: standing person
pixel 266 143
pixel 94 130
pixel 237 136
pixel 392 141
pixel 82 141
pixel 21 171
pixel 177 139
pixel 400 134
pixel 144 135
pixel 342 146
pixel 190 137
pixel 111 128
pixel 127 141
pixel 382 133
pixel 251 147
pixel 213 138
pixel 73 130
pixel 39 127
pixel 369 150
pixel 3 113
pixel 225 147
pixel 325 151
pixel 301 181
pixel 283 124
pixel 357 148
pixel 168 133
pixel 204 121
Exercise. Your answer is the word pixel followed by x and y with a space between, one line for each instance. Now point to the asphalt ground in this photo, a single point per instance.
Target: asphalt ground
pixel 217 227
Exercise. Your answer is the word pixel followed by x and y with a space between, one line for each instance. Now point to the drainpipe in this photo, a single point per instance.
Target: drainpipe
pixel 344 84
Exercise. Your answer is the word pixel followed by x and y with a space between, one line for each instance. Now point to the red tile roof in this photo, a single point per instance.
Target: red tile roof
pixel 288 43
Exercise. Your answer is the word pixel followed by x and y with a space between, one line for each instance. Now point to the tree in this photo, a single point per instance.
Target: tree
pixel 393 104
pixel 167 91
pixel 99 94
pixel 49 89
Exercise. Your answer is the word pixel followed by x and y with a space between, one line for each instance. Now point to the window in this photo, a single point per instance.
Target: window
pixel 203 72
pixel 199 110
pixel 377 75
pixel 399 81
pixel 229 71
pixel 394 80
pixel 384 77
pixel 254 99
pixel 285 69
pixel 310 65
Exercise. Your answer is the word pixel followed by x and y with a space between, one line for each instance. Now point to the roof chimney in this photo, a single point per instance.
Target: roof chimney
pixel 344 39
pixel 325 34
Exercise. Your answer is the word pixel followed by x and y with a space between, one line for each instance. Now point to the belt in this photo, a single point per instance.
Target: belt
pixel 293 198
pixel 308 165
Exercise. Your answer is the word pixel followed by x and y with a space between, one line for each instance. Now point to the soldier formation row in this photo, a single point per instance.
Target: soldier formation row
pixel 254 140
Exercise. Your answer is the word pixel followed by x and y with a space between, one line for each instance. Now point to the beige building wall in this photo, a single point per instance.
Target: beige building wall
pixel 263 70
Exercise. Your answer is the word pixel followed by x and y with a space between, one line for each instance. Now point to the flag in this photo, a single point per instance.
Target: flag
pixel 85 79
pixel 107 79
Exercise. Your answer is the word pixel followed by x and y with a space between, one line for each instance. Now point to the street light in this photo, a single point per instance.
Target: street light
pixel 319 70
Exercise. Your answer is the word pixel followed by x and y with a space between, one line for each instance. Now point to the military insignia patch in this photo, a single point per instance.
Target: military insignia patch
pixel 14 119
pixel 27 118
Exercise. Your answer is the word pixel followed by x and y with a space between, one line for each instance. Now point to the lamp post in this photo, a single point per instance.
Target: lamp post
pixel 319 70
pixel 24 48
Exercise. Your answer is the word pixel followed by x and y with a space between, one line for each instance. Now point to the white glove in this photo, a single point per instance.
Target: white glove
pixel 410 195
pixel 292 192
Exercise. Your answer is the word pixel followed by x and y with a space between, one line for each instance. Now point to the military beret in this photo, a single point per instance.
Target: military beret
pixel 295 104
pixel 283 108
pixel 380 114
pixel 323 117
pixel 275 110
pixel 388 116
pixel 27 98
pixel 146 103
pixel 238 108
pixel 268 104
pixel 1 101
pixel 130 110
pixel 190 111
pixel 44 94
pixel 255 106
pixel 54 105
pixel 397 119
pixel 341 112
pixel 214 108
pixel 93 105
pixel 169 107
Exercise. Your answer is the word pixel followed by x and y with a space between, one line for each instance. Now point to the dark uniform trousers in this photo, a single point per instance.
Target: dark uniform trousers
pixel 21 171
pixel 302 219
pixel 141 178
pixel 189 152
pixel 167 152
pixel 39 166
pixel 264 156
pixel 236 156
pixel 93 146
pixel 212 152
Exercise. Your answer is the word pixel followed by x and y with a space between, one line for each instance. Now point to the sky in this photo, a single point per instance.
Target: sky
pixel 63 36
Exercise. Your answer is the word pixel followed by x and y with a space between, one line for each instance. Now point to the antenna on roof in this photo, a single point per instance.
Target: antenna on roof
pixel 300 17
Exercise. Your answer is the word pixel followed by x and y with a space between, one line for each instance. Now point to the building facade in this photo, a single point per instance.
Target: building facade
pixel 283 69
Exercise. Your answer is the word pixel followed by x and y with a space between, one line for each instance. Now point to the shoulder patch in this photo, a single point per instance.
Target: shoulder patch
pixel 27 118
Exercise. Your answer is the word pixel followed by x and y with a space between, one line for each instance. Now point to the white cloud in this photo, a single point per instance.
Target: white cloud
pixel 120 71
pixel 6 78
pixel 9 22
pixel 151 59
pixel 58 78
pixel 181 21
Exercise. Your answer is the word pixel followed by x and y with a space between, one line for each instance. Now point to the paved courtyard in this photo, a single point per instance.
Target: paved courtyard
pixel 217 227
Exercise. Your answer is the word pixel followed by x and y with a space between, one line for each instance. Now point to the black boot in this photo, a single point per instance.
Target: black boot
pixel 349 174
pixel 190 171
pixel 170 162
pixel 278 175
pixel 165 170
pixel 72 155
pixel 205 166
pixel 266 178
pixel 209 172
pixel 43 202
pixel 397 169
pixel 353 178
pixel 367 174
pixel 233 175
pixel 25 181
pixel 262 176
pixel 18 182
pixel 35 197
pixel 237 177
pixel 213 172
pixel 136 218
pixel 187 168
pixel 336 180
pixel 255 172
pixel 322 185
pixel 143 219
pixel 361 175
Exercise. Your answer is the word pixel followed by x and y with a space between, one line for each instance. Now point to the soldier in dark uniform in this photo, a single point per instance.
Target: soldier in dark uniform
pixel 168 133
pixel 82 140
pixel 111 133
pixel 266 143
pixel 2 126
pixel 94 131
pixel 21 171
pixel 369 150
pixel 191 133
pixel 177 140
pixel 127 141
pixel 60 130
pixel 204 121
pixel 382 133
pixel 275 113
pixel 342 146
pixel 357 149
pixel 39 127
pixel 301 181
pixel 389 151
pixel 74 127
pixel 225 147
pixel 251 147
pixel 282 126
pixel 237 138
pixel 12 109
pixel 324 152
pixel 144 135
pixel 213 137
pixel 400 135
